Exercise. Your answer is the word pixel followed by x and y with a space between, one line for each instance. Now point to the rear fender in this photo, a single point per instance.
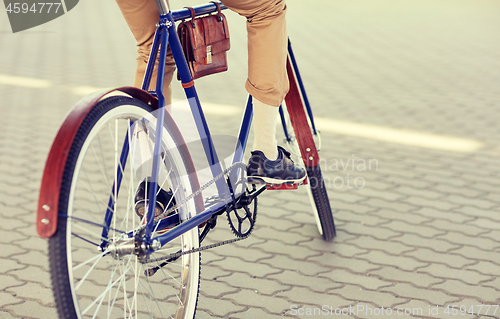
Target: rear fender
pixel 46 221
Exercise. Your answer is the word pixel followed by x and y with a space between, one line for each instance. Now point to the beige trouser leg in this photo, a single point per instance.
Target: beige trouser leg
pixel 141 17
pixel 267 48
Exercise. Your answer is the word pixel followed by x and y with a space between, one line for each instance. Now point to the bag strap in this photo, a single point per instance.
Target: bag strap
pixel 219 14
pixel 193 14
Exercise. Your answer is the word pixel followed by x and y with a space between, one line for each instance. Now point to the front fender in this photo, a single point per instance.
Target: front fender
pixel 46 221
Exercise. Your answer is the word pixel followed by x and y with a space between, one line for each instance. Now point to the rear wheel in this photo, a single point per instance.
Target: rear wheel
pixel 89 282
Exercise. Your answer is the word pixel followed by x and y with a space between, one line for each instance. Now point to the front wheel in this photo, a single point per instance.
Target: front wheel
pixel 316 189
pixel 96 209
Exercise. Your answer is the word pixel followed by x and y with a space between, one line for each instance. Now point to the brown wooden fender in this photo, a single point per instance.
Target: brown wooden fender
pixel 298 117
pixel 46 221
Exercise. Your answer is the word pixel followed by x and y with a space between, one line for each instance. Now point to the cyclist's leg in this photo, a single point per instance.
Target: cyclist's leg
pixel 268 84
pixel 141 17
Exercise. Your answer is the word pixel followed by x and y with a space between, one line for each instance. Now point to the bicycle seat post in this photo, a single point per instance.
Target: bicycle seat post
pixel 162 6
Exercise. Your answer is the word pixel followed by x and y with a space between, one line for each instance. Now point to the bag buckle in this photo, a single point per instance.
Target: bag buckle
pixel 208 59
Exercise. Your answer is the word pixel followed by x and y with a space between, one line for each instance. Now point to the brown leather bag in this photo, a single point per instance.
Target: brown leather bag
pixel 205 41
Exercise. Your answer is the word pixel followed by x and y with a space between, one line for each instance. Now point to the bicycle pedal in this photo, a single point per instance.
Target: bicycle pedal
pixel 286 186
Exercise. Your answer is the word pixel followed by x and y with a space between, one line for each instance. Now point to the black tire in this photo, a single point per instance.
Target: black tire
pixel 84 278
pixel 320 196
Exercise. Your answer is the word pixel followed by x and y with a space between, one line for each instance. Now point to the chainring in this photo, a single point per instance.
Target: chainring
pixel 242 221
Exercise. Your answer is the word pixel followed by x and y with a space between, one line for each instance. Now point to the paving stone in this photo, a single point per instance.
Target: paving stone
pixel 302 297
pixel 429 194
pixel 458 288
pixel 407 217
pixel 315 283
pixel 253 299
pixel 215 288
pixel 280 224
pixel 420 230
pixel 381 258
pixel 388 273
pixel 399 206
pixel 32 274
pixel 470 202
pixel 32 309
pixel 357 294
pixel 33 258
pixel 319 244
pixel 439 214
pixel 13 224
pixel 237 265
pixel 440 204
pixel 493 283
pixel 469 307
pixel 253 313
pixel 285 262
pixel 467 192
pixel 7 236
pixel 485 267
pixel 372 219
pixel 33 291
pixel 462 239
pixel 411 292
pixel 212 272
pixel 263 286
pixel 6 315
pixel 450 259
pixel 38 244
pixel 210 256
pixel 218 307
pixel 288 238
pixel 302 218
pixel 413 240
pixel 486 223
pixel 7 281
pixel 7 298
pixel 478 254
pixel 359 208
pixel 337 261
pixel 364 280
pixel 467 229
pixel 493 234
pixel 247 254
pixel 298 252
pixel 398 181
pixel 375 244
pixel 443 271
pixel 343 249
pixel 8 265
pixel 379 232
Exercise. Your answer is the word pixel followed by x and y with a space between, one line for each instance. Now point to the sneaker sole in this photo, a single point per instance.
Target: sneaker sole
pixel 272 181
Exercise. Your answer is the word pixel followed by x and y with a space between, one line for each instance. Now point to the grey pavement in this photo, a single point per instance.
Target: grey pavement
pixel 411 87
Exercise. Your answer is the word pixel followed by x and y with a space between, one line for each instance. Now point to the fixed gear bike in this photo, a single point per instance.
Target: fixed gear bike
pixel 107 262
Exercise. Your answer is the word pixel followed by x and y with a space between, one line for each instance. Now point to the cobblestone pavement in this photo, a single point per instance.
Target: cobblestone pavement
pixel 410 87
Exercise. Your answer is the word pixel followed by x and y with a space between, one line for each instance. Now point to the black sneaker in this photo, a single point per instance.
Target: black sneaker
pixel 164 199
pixel 261 170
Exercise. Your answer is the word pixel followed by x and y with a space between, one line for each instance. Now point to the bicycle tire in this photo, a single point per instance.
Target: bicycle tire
pixel 90 283
pixel 323 209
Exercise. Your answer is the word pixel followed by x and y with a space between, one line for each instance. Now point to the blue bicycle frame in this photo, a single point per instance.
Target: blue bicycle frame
pixel 166 35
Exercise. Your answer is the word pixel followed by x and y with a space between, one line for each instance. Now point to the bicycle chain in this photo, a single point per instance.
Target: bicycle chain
pixel 174 256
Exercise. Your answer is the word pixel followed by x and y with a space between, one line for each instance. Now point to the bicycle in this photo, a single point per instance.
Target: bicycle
pixel 105 261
